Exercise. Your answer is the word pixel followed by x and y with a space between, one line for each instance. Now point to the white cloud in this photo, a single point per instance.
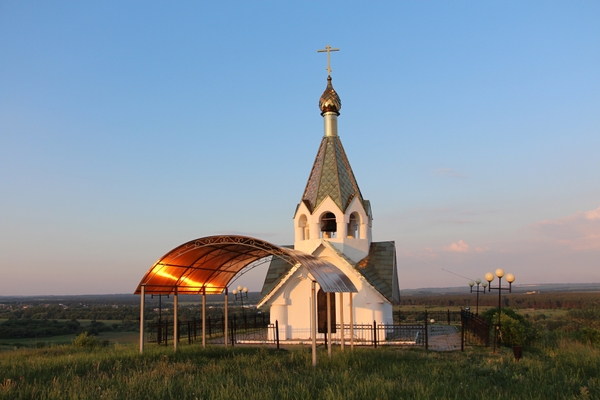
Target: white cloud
pixel 592 215
pixel 462 247
pixel 580 231
pixel 458 247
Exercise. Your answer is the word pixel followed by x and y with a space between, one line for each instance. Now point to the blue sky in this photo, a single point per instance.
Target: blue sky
pixel 128 128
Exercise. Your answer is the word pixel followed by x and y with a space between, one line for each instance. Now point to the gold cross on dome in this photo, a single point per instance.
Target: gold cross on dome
pixel 328 50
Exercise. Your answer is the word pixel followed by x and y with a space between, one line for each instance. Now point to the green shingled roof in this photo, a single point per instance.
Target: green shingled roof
pixel 331 176
pixel 379 269
pixel 278 268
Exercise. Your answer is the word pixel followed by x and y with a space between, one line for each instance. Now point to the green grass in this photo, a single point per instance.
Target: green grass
pixel 112 337
pixel 63 372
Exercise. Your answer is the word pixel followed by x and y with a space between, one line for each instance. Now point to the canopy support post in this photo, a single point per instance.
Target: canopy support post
pixel 225 327
pixel 351 323
pixel 313 322
pixel 204 317
pixel 329 324
pixel 343 339
pixel 142 307
pixel 175 319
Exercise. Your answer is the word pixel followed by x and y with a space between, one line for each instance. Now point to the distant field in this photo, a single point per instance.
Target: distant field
pixel 112 337
pixel 546 300
pixel 33 342
pixel 523 311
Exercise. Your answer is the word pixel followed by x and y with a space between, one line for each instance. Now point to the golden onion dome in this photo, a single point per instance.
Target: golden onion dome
pixel 330 101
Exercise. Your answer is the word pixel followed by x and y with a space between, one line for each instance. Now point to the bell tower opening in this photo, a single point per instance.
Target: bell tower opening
pixel 328 226
pixel 304 230
pixel 353 226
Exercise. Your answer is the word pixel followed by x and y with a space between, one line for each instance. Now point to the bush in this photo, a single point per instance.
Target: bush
pixel 588 336
pixel 513 332
pixel 86 341
pixel 515 329
pixel 96 327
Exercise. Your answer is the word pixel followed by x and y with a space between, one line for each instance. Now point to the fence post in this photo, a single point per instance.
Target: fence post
pixel 462 333
pixel 448 316
pixel 223 327
pixel 277 333
pixel 189 332
pixel 233 330
pixel 374 334
pixel 159 333
pixel 426 332
pixel 167 332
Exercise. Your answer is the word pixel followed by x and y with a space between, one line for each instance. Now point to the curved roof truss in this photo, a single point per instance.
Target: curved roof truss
pixel 209 264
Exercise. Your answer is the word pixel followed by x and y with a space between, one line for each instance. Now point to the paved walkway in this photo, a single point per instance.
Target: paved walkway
pixel 443 338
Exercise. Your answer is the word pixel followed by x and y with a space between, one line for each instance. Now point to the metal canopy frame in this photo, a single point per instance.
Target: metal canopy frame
pixel 207 266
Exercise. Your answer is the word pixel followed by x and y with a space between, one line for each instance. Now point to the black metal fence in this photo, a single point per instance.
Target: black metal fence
pixel 410 328
pixel 382 334
pixel 240 329
pixel 432 317
pixel 475 331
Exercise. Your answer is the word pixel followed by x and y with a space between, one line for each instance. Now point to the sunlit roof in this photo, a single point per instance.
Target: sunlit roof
pixel 207 265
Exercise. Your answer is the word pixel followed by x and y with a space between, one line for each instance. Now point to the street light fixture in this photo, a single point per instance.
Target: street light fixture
pixel 510 278
pixel 478 282
pixel 240 294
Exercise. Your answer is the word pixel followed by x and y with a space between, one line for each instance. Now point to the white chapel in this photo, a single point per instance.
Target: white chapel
pixel 333 222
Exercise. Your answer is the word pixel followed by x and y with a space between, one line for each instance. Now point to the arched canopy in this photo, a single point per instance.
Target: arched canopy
pixel 208 264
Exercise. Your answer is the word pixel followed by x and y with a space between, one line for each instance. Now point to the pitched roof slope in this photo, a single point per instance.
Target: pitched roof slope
pixel 379 269
pixel 278 268
pixel 332 176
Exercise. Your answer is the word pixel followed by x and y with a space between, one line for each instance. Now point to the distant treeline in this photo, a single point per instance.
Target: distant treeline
pixel 550 300
pixel 121 308
pixel 56 311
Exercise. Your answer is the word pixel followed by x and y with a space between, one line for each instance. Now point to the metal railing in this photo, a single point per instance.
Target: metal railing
pixel 439 317
pixel 475 331
pixel 383 334
pixel 254 328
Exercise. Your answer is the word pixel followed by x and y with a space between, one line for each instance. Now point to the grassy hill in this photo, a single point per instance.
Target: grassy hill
pixel 65 372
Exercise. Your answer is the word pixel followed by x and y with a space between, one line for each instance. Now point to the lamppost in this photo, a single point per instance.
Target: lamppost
pixel 478 282
pixel 240 294
pixel 510 278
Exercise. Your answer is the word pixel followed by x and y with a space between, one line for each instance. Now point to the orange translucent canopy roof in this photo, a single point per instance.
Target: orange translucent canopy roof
pixel 208 264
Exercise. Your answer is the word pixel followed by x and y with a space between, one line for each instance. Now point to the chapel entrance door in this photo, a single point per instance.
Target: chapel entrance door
pixel 322 311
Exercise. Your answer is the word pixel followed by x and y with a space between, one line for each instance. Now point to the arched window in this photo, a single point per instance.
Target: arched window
pixel 328 225
pixel 353 226
pixel 303 224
